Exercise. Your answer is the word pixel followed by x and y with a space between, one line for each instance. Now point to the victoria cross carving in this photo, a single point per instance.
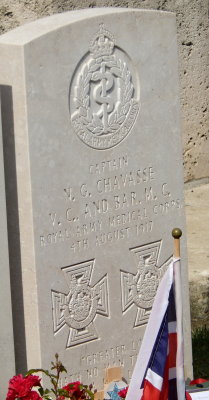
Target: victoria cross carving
pixel 103 93
pixel 139 289
pixel 78 307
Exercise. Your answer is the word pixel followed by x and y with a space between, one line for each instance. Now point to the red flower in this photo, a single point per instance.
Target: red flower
pixel 10 394
pixel 196 381
pixel 20 387
pixel 34 380
pixel 73 388
pixel 123 393
pixel 32 395
pixel 188 397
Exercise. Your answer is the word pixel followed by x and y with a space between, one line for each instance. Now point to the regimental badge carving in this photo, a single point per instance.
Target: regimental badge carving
pixel 78 308
pixel 104 93
pixel 139 289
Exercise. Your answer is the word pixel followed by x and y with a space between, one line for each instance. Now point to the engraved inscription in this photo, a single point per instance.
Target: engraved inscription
pixel 79 307
pixel 103 94
pixel 140 288
pixel 90 364
pixel 116 203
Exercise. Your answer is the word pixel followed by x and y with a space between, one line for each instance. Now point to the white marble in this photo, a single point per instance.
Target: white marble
pixel 99 181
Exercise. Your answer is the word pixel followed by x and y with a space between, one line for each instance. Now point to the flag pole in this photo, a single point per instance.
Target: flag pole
pixel 176 233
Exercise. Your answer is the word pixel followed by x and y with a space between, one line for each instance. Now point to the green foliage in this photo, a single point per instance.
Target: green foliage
pixel 73 391
pixel 200 347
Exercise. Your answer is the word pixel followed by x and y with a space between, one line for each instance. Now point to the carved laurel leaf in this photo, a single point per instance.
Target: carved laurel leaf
pixel 108 58
pixel 83 111
pixel 116 71
pixel 119 63
pixel 119 108
pixel 94 67
pixel 111 64
pixel 86 102
pixel 98 129
pixel 86 90
pixel 130 93
pixel 80 81
pixel 89 115
pixel 126 92
pixel 124 71
pixel 78 102
pixel 127 87
pixel 96 76
pixel 82 94
pixel 85 71
pixel 121 119
pixel 127 77
pixel 84 120
pixel 78 92
pixel 90 127
pixel 126 108
pixel 112 118
pixel 92 62
pixel 87 79
pixel 114 126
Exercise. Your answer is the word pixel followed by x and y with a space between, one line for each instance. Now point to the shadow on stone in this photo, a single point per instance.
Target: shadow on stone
pixel 13 228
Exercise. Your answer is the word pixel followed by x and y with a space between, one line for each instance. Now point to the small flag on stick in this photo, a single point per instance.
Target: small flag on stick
pixel 159 369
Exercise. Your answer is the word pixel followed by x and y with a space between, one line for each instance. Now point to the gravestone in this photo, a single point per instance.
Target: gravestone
pixel 7 361
pixel 99 181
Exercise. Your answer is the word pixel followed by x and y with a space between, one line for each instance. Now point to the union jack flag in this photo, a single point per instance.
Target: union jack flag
pixel 159 373
pixel 160 377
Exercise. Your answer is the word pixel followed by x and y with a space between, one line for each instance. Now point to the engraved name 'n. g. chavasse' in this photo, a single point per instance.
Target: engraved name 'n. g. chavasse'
pixel 114 203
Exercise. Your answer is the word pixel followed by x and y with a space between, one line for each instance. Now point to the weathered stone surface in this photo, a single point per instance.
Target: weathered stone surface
pixel 192 34
pixel 197 213
pixel 199 297
pixel 7 361
pixel 99 181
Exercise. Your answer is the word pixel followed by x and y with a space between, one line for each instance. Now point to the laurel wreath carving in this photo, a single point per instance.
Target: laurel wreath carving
pixel 90 73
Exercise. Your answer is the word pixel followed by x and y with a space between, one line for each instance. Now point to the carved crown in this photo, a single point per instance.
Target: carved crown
pixel 102 43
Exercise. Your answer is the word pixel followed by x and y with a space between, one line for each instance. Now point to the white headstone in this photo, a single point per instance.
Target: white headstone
pixel 99 181
pixel 7 359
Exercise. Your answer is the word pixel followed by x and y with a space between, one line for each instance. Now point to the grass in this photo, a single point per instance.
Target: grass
pixel 200 348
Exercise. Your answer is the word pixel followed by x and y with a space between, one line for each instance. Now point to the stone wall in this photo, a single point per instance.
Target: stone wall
pixel 197 213
pixel 192 26
pixel 199 300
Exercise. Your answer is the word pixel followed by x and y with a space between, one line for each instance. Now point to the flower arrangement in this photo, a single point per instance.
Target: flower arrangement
pixel 22 387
